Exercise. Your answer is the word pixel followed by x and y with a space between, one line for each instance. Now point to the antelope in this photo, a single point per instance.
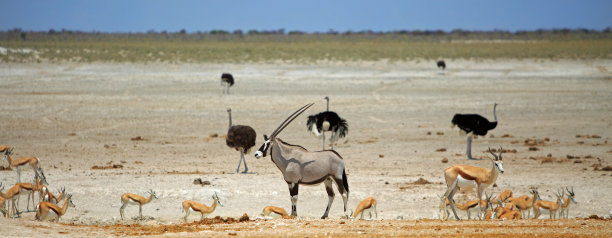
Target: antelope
pixel 277 210
pixel 300 166
pixel 204 210
pixel 3 201
pixel 466 177
pixel 42 210
pixel 17 163
pixel 525 203
pixel 549 207
pixel 49 197
pixel 470 206
pixel 566 203
pixel 31 189
pixel 503 196
pixel 12 194
pixel 507 213
pixel 368 204
pixel 130 198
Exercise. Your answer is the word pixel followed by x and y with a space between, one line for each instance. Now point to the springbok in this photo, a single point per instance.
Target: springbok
pixel 566 203
pixel 300 166
pixel 204 210
pixel 549 207
pixel 525 203
pixel 31 189
pixel 42 210
pixel 467 177
pixel 276 210
pixel 17 163
pixel 469 206
pixel 368 205
pixel 130 198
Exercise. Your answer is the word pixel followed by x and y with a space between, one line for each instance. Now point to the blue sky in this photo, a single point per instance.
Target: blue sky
pixel 310 16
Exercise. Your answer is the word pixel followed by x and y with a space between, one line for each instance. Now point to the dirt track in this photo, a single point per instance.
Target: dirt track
pixel 74 117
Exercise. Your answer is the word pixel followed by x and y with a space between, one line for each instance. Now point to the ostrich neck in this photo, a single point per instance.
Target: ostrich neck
pixel 327 99
pixel 494 114
pixel 230 120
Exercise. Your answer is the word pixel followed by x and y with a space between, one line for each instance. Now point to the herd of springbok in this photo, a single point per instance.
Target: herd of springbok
pixel 300 166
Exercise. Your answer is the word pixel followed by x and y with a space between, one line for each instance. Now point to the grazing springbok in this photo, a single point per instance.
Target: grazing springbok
pixel 17 163
pixel 204 210
pixel 469 206
pixel 549 207
pixel 467 177
pixel 276 210
pixel 566 203
pixel 525 203
pixel 368 205
pixel 42 210
pixel 300 166
pixel 130 198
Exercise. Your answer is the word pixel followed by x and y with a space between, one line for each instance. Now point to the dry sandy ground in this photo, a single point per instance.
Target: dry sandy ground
pixel 76 116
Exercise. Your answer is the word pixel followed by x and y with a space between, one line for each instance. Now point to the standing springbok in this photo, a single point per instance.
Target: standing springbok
pixel 549 207
pixel 467 177
pixel 204 210
pixel 300 166
pixel 130 198
pixel 566 203
pixel 17 163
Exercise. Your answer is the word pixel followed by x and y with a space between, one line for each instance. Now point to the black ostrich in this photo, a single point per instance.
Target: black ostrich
pixel 441 64
pixel 327 121
pixel 227 80
pixel 474 124
pixel 241 138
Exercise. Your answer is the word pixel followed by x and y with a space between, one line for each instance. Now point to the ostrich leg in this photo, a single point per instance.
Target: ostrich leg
pixel 469 146
pixel 323 136
pixel 240 162
pixel 246 169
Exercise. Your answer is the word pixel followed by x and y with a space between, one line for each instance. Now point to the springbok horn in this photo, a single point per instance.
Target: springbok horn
pixel 494 155
pixel 500 152
pixel 290 119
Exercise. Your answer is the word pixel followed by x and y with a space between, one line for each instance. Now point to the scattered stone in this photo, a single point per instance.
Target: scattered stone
pixel 444 160
pixel 533 148
pixel 441 150
pixel 244 218
pixel 199 181
pixel 381 156
pixel 547 160
pixel 138 138
pixel 440 133
pixel 213 135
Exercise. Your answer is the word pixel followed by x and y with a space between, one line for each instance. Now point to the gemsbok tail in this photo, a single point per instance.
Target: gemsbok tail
pixel 345 181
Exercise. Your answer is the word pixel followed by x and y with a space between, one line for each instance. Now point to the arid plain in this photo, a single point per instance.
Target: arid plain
pixel 104 129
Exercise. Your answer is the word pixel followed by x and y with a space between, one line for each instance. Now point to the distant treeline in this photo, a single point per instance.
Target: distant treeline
pixel 424 35
pixel 279 46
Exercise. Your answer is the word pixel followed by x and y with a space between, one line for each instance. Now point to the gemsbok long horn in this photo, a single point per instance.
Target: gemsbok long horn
pixel 290 119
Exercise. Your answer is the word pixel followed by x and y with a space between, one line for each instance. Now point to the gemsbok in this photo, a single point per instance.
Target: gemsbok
pixel 467 177
pixel 300 166
pixel 130 198
pixel 204 210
